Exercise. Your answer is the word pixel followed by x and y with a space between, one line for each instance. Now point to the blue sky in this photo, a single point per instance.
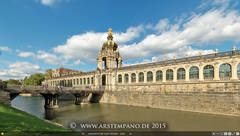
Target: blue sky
pixel 36 35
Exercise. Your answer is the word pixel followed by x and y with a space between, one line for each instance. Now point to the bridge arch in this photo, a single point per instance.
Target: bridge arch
pixel 181 74
pixel 208 72
pixel 225 71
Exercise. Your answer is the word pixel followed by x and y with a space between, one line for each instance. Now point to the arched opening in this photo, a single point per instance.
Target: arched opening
pixel 84 81
pixel 149 76
pixel 133 77
pixel 103 80
pixel 159 75
pixel 119 78
pixel 104 63
pixel 169 75
pixel 88 80
pixel 116 63
pixel 194 72
pixel 92 80
pixel 141 77
pixel 238 70
pixel 225 71
pixel 208 72
pixel 126 78
pixel 181 74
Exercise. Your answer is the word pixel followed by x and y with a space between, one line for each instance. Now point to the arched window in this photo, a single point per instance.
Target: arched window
pixel 77 82
pixel 149 76
pixel 74 81
pixel 208 72
pixel 159 75
pixel 88 80
pixel 133 77
pixel 181 74
pixel 126 78
pixel 238 70
pixel 68 82
pixel 194 72
pixel 80 80
pixel 169 74
pixel 141 77
pixel 225 71
pixel 119 78
pixel 92 80
pixel 84 81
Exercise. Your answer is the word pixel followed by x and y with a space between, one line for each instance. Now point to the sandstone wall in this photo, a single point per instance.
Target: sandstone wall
pixel 214 97
pixel 5 97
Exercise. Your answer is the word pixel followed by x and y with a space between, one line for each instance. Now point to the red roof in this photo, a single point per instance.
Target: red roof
pixel 66 70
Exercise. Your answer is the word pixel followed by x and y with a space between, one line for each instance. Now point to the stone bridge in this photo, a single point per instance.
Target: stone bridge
pixel 51 93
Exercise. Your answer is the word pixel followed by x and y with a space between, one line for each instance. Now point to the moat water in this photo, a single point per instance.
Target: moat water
pixel 111 113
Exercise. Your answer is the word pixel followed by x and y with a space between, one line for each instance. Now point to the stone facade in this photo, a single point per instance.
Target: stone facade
pixel 204 83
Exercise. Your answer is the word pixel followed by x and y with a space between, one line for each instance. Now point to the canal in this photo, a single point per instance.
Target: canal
pixel 110 113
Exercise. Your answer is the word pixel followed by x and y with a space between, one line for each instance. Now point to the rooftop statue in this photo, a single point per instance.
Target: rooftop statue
pixel 110 44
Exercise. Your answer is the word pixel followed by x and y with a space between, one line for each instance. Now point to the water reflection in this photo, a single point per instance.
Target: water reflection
pixel 111 113
pixel 50 114
pixel 32 105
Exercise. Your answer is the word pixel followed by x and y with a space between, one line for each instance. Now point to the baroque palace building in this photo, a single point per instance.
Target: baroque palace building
pixel 217 67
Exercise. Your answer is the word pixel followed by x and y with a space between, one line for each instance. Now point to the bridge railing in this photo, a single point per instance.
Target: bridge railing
pixel 39 89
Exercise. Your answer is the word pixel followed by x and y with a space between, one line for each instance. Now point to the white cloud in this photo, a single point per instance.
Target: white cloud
pixel 212 27
pixel 49 58
pixel 26 54
pixel 19 70
pixel 167 39
pixel 51 2
pixel 78 62
pixel 5 48
pixel 87 46
pixel 29 46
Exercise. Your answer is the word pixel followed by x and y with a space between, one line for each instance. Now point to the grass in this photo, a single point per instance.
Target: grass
pixel 16 121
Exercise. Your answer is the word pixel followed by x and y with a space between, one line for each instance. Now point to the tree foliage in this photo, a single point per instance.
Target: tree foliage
pixel 3 84
pixel 48 73
pixel 13 82
pixel 35 79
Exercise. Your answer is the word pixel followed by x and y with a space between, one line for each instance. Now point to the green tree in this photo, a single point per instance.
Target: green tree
pixel 35 79
pixel 3 84
pixel 48 73
pixel 13 82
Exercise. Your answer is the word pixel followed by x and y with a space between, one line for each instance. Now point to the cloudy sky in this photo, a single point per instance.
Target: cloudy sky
pixel 36 35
